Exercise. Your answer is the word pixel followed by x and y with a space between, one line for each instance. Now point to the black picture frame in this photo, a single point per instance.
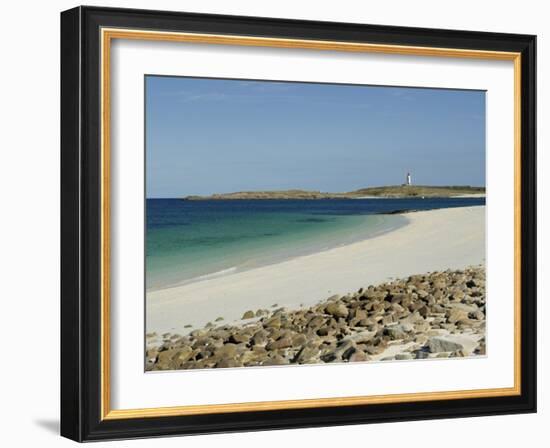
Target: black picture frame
pixel 81 224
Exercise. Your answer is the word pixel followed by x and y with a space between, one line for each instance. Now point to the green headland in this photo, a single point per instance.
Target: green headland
pixel 391 191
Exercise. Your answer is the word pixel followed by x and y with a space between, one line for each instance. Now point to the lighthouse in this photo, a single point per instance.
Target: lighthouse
pixel 408 179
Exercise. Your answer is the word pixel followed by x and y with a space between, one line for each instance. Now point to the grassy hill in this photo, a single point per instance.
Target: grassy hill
pixel 278 194
pixel 404 191
pixel 392 191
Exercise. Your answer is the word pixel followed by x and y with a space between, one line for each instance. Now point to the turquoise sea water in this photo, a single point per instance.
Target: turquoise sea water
pixel 191 240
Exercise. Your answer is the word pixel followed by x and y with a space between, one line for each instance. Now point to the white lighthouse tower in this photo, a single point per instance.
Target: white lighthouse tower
pixel 408 180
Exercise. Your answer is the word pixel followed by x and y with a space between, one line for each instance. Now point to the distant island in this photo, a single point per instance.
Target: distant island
pixel 391 191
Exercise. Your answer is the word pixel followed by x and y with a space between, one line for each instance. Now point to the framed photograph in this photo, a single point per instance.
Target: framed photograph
pixel 273 223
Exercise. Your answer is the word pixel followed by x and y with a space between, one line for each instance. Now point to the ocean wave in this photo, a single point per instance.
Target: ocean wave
pixel 230 270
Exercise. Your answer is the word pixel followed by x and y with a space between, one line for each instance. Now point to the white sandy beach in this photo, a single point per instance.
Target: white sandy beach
pixel 432 240
pixel 471 195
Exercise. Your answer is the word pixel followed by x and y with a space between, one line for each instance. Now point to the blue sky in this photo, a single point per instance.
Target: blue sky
pixel 207 136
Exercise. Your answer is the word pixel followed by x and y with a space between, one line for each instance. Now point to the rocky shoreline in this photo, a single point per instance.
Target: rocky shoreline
pixel 439 314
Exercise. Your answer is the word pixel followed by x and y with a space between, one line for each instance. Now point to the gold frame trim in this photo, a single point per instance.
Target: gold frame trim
pixel 107 35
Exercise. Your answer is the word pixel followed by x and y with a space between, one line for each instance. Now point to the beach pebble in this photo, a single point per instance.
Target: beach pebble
pixel 260 337
pixel 358 356
pixel 277 360
pixel 238 338
pixel 452 343
pixel 337 309
pixel 439 314
pixel 307 355
pixel 227 350
pixel 455 315
pixel 274 322
pixel 228 362
pixel 280 343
